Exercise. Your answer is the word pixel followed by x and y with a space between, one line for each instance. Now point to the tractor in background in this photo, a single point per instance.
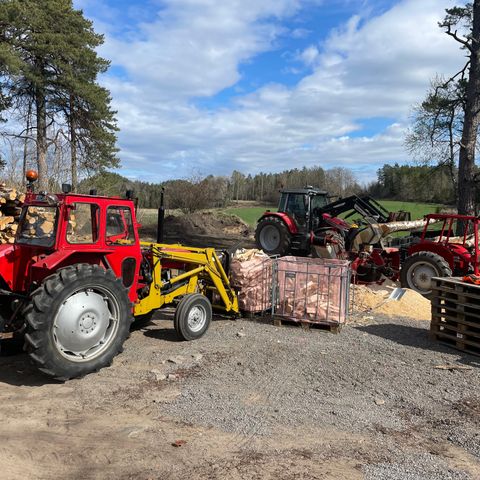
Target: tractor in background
pixel 306 213
pixel 77 276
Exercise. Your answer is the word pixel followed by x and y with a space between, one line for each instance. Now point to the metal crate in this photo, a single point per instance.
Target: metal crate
pixel 311 290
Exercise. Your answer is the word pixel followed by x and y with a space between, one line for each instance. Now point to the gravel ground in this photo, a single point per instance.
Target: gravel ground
pixel 378 379
pixel 251 400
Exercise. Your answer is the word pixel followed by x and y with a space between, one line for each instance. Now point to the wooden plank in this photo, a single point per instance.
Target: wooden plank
pixel 465 335
pixel 455 339
pixel 452 305
pixel 456 286
pixel 442 318
pixel 306 325
pixel 447 294
pixel 452 342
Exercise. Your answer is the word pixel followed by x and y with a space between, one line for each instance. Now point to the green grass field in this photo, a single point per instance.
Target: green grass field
pixel 250 215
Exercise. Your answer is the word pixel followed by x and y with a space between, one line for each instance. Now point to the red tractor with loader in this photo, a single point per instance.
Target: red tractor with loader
pixel 77 276
pixel 305 212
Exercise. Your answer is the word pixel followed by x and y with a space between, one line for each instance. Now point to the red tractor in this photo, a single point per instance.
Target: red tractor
pixel 305 213
pixel 77 275
pixel 443 254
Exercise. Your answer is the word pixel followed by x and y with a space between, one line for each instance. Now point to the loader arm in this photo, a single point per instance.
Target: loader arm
pixel 203 272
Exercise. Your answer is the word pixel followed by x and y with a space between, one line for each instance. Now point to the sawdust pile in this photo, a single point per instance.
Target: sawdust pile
pixel 375 299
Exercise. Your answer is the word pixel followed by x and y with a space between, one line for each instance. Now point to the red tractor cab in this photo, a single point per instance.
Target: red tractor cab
pixel 288 229
pixel 443 255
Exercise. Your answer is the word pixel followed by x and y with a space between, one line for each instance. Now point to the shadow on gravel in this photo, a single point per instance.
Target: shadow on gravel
pixel 167 334
pixel 417 338
pixel 16 370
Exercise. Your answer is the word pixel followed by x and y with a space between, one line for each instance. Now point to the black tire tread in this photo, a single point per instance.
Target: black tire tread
pixel 437 260
pixel 185 303
pixel 285 236
pixel 38 316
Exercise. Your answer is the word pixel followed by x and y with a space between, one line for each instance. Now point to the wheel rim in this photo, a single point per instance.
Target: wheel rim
pixel 86 324
pixel 269 237
pixel 197 318
pixel 420 276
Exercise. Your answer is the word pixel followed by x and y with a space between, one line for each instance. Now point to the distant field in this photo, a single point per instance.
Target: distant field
pixel 250 215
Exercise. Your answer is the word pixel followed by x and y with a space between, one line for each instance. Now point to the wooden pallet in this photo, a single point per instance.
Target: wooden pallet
pixel 456 314
pixel 306 325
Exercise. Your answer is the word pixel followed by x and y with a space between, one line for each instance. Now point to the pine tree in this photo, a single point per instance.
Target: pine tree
pixel 47 49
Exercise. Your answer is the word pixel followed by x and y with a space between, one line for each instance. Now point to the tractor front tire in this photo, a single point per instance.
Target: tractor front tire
pixel 272 236
pixel 192 316
pixel 77 321
pixel 418 270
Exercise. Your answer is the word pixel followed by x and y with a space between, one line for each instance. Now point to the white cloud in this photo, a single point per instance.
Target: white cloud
pixel 376 67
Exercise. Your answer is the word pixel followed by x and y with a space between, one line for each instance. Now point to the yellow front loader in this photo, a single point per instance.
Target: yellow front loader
pixel 194 278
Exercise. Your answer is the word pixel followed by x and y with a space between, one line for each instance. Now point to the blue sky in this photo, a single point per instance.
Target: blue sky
pixel 208 86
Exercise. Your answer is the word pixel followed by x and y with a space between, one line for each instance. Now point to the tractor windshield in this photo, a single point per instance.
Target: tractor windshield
pixel 38 226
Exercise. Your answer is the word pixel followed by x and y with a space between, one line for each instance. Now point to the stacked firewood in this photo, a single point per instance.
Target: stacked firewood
pixel 11 201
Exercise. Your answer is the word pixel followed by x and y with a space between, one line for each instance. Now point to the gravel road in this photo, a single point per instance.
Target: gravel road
pixel 252 401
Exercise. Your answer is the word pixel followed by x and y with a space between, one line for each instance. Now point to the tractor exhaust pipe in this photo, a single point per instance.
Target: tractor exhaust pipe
pixel 161 218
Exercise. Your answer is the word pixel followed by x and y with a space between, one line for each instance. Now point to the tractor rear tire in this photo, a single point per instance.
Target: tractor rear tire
pixel 272 236
pixel 418 270
pixel 192 316
pixel 77 321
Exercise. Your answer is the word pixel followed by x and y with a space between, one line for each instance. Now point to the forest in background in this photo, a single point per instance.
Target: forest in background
pixel 428 184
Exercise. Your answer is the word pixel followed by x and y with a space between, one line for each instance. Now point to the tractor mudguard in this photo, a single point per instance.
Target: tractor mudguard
pixel 436 248
pixel 289 222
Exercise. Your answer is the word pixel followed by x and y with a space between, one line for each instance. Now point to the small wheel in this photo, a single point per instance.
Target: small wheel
pixel 192 316
pixel 272 236
pixel 419 269
pixel 77 321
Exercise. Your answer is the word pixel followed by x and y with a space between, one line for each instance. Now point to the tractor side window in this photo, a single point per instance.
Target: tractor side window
pixel 318 201
pixel 37 226
pixel 120 229
pixel 83 223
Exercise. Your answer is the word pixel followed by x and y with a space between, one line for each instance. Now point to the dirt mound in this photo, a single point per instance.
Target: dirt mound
pixel 207 229
pixel 207 223
pixel 375 299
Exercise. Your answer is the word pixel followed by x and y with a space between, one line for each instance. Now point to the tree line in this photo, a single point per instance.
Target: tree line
pixel 409 183
pixel 218 191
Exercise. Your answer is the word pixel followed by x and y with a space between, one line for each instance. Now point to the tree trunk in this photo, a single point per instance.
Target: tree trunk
pixel 41 139
pixel 73 145
pixel 25 144
pixel 466 164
